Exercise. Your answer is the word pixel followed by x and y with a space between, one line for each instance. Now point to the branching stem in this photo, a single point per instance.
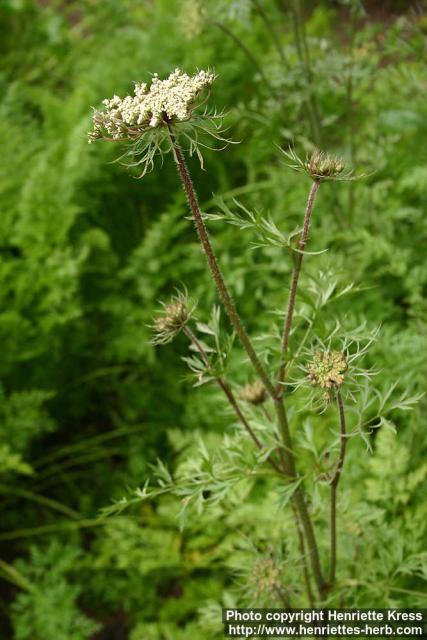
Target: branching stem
pixel 214 267
pixel 288 455
pixel 298 500
pixel 234 404
pixel 223 384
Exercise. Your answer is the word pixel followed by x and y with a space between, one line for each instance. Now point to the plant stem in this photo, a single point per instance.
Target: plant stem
pixel 313 551
pixel 304 558
pixel 298 498
pixel 248 53
pixel 266 413
pixel 231 398
pixel 294 285
pixel 270 28
pixel 351 110
pixel 334 485
pixel 304 58
pixel 233 402
pixel 289 463
pixel 214 267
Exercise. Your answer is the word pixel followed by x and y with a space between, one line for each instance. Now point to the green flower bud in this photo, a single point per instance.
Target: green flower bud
pixel 174 317
pixel 322 165
pixel 327 370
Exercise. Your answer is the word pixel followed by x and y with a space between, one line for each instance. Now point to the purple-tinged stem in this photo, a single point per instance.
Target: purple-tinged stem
pixel 294 286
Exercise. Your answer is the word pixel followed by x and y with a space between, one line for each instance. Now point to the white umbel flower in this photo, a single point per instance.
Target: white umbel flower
pixel 158 116
pixel 164 102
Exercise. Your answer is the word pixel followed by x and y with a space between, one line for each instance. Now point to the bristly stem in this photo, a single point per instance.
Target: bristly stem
pixel 288 455
pixel 298 498
pixel 294 286
pixel 334 484
pixel 230 397
pixel 296 502
pixel 214 267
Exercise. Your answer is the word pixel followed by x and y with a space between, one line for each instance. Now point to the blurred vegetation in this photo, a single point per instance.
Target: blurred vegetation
pixel 86 252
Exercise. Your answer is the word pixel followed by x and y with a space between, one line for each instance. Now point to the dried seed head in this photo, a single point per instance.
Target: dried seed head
pixel 253 393
pixel 174 317
pixel 322 165
pixel 265 578
pixel 327 370
pixel 162 103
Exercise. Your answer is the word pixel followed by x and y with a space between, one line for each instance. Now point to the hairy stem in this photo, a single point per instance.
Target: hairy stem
pixel 288 455
pixel 294 286
pixel 214 267
pixel 298 498
pixel 234 404
pixel 334 484
pixel 231 398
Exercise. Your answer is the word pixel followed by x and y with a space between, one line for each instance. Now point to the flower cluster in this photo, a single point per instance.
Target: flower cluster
pixel 266 578
pixel 253 393
pixel 174 317
pixel 163 102
pixel 322 165
pixel 327 370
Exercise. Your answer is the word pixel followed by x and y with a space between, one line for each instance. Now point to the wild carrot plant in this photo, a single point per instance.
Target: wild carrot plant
pixel 298 371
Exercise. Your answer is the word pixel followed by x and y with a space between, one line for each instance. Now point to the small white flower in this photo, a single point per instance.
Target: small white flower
pixel 164 102
pixel 157 116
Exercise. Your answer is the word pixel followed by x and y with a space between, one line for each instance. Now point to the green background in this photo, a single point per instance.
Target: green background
pixel 87 251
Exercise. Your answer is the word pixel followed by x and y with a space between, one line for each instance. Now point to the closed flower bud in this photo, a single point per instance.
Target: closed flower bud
pixel 322 165
pixel 174 317
pixel 253 393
